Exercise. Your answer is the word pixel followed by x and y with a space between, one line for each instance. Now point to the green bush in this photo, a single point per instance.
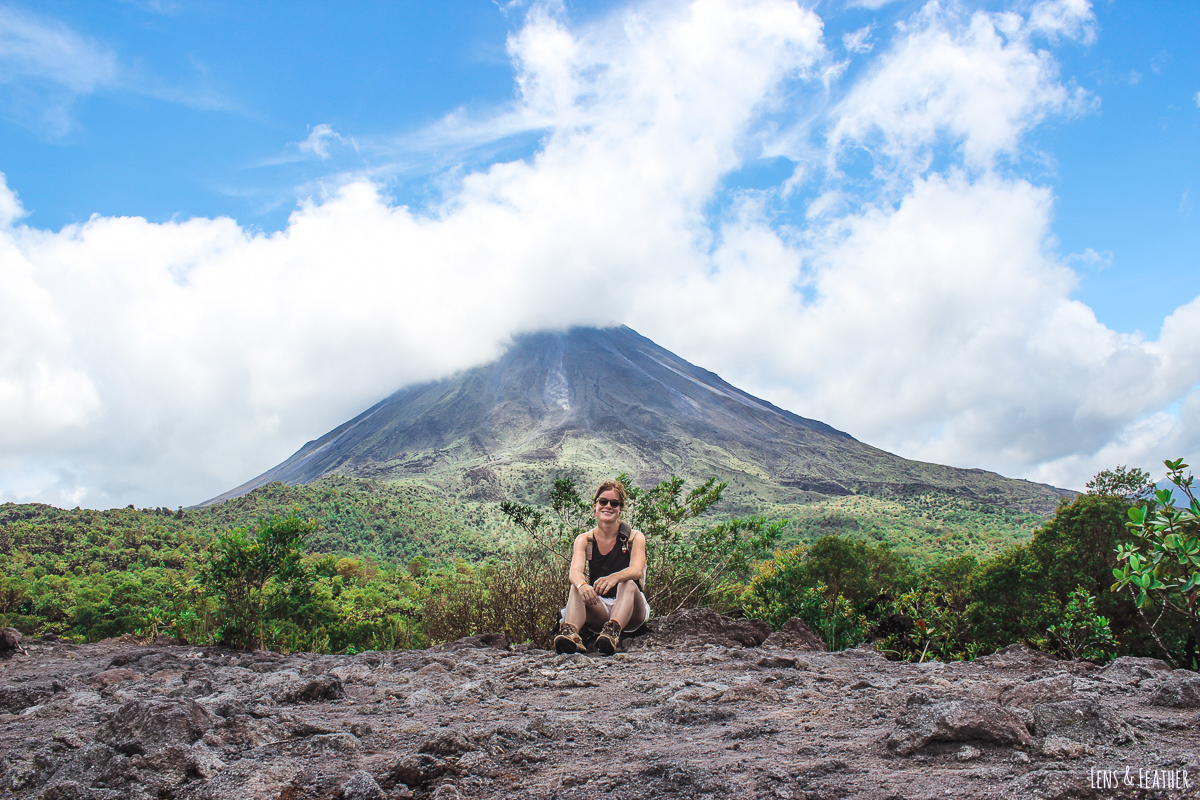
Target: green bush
pixel 1019 594
pixel 1081 633
pixel 520 597
pixel 247 570
pixel 937 611
pixel 781 590
pixel 1160 568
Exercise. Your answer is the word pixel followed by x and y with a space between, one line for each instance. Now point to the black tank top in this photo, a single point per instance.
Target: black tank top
pixel 616 560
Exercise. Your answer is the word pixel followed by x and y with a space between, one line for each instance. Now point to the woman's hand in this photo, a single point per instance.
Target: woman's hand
pixel 587 594
pixel 603 585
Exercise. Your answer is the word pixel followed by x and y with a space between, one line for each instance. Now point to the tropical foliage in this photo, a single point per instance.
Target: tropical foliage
pixel 345 565
pixel 1160 565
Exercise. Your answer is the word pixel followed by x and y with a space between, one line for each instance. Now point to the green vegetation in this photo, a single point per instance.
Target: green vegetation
pixel 245 570
pixel 688 563
pixel 923 528
pixel 1082 633
pixel 1160 566
pixel 88 575
pixel 344 565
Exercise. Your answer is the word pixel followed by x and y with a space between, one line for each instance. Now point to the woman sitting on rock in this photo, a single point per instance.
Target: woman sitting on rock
pixel 615 556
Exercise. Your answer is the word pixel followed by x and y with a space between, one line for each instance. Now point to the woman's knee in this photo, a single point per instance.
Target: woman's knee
pixel 627 587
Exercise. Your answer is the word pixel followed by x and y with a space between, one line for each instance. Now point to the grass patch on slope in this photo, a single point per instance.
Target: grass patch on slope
pixel 924 528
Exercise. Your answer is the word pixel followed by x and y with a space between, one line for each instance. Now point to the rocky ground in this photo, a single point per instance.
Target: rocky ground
pixel 700 707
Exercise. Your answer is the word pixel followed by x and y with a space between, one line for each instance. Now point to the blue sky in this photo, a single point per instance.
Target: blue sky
pixel 809 155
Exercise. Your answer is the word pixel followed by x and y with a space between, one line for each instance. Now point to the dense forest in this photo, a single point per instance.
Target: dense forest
pixel 345 565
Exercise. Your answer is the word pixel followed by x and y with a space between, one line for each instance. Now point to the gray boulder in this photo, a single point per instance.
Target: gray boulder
pixel 1180 689
pixel 1132 669
pixel 700 626
pixel 362 786
pixel 922 723
pixel 322 687
pixel 10 642
pixel 1083 720
pixel 15 699
pixel 1045 690
pixel 147 726
pixel 796 635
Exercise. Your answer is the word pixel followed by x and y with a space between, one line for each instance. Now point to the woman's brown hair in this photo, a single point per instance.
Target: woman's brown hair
pixel 615 486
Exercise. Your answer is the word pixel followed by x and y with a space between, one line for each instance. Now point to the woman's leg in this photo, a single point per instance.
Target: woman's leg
pixel 576 609
pixel 630 609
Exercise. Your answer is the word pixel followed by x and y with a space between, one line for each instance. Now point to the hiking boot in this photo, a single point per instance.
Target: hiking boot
pixel 568 639
pixel 609 640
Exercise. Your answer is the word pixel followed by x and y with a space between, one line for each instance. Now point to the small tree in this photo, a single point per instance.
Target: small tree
pixel 703 568
pixel 554 532
pixel 1131 485
pixel 1082 632
pixel 244 564
pixel 1161 567
pixel 780 591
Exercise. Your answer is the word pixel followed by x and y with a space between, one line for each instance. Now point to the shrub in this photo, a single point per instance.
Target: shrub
pixel 702 569
pixel 520 597
pixel 246 567
pixel 1081 632
pixel 940 629
pixel 780 591
pixel 1160 567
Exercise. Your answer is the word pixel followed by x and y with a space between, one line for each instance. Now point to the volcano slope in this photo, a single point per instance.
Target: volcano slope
pixel 702 706
pixel 592 403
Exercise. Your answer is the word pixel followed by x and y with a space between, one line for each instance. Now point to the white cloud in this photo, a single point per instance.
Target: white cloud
pixel 44 65
pixel 165 363
pixel 1069 19
pixel 319 139
pixel 873 5
pixel 1091 259
pixel 30 47
pixel 859 41
pixel 945 314
pixel 211 352
pixel 976 82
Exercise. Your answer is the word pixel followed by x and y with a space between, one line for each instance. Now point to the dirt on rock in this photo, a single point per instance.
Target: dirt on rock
pixel 700 706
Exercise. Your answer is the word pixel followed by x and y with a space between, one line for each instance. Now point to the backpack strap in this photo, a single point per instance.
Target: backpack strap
pixel 624 532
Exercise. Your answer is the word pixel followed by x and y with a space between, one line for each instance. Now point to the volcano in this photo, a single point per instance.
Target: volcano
pixel 592 403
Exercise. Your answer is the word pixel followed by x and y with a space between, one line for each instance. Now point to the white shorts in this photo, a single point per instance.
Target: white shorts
pixel 609 602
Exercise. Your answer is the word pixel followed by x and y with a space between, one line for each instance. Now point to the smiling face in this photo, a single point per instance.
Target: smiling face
pixel 607 506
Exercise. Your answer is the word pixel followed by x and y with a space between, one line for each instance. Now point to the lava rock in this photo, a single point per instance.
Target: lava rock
pixel 693 626
pixel 1133 670
pixel 10 642
pixel 1081 720
pixel 955 721
pixel 1045 690
pixel 1180 689
pixel 416 770
pixel 322 687
pixel 15 699
pixel 495 641
pixel 796 635
pixel 1018 656
pixel 362 786
pixel 146 726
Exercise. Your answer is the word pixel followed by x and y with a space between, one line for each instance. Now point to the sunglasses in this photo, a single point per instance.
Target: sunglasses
pixel 604 502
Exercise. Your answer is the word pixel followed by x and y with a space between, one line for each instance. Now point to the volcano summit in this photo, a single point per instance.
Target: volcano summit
pixel 595 402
